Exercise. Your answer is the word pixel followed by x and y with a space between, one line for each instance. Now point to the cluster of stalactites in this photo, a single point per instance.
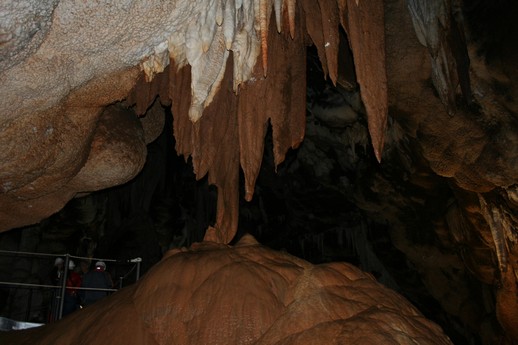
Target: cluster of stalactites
pixel 230 134
pixel 240 26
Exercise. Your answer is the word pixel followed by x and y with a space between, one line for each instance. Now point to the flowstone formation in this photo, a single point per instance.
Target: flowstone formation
pixel 246 294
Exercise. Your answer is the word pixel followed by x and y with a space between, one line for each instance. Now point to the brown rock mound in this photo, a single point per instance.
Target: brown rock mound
pixel 247 294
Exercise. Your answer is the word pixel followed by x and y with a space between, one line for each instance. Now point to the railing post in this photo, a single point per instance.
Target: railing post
pixel 137 261
pixel 63 287
pixel 138 269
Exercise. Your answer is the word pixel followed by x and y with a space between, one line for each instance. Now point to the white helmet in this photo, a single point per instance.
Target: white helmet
pixel 71 265
pixel 58 261
pixel 100 264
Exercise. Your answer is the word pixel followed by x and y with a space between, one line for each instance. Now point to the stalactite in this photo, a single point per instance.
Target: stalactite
pixel 278 7
pixel 157 62
pixel 224 169
pixel 291 9
pixel 285 108
pixel 365 28
pixel 234 29
pixel 229 23
pixel 203 140
pixel 144 92
pixel 494 220
pixel 439 29
pixel 364 25
pixel 314 30
pixel 220 8
pixel 330 23
pixel 207 73
pixel 179 93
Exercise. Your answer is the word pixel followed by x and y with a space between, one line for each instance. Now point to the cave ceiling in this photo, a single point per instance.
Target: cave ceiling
pixel 430 109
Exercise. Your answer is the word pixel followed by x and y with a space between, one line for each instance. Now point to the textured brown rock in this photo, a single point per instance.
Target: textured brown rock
pixel 247 294
pixel 117 153
pixel 466 147
pixel 62 63
pixel 77 156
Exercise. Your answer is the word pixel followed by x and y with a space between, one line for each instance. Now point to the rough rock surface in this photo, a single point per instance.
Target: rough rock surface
pixel 73 156
pixel 247 294
pixel 462 134
pixel 62 62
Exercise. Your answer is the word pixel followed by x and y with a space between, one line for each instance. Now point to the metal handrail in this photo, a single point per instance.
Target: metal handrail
pixel 58 255
pixel 137 261
pixel 54 286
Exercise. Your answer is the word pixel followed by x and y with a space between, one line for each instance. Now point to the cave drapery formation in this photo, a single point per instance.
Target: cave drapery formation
pixel 228 69
pixel 237 137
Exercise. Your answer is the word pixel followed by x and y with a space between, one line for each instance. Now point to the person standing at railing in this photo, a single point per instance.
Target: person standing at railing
pixel 71 302
pixel 57 272
pixel 84 267
pixel 56 276
pixel 97 279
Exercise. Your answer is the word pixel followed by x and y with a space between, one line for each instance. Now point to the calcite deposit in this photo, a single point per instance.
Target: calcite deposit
pixel 246 294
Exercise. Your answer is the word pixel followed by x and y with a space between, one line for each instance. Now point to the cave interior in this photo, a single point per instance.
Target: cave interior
pixel 393 209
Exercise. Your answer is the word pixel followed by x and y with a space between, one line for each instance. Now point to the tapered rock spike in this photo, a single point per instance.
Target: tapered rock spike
pixel 278 4
pixel 291 16
pixel 219 12
pixel 263 22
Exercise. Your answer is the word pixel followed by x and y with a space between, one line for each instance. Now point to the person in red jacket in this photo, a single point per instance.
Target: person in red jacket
pixel 71 302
